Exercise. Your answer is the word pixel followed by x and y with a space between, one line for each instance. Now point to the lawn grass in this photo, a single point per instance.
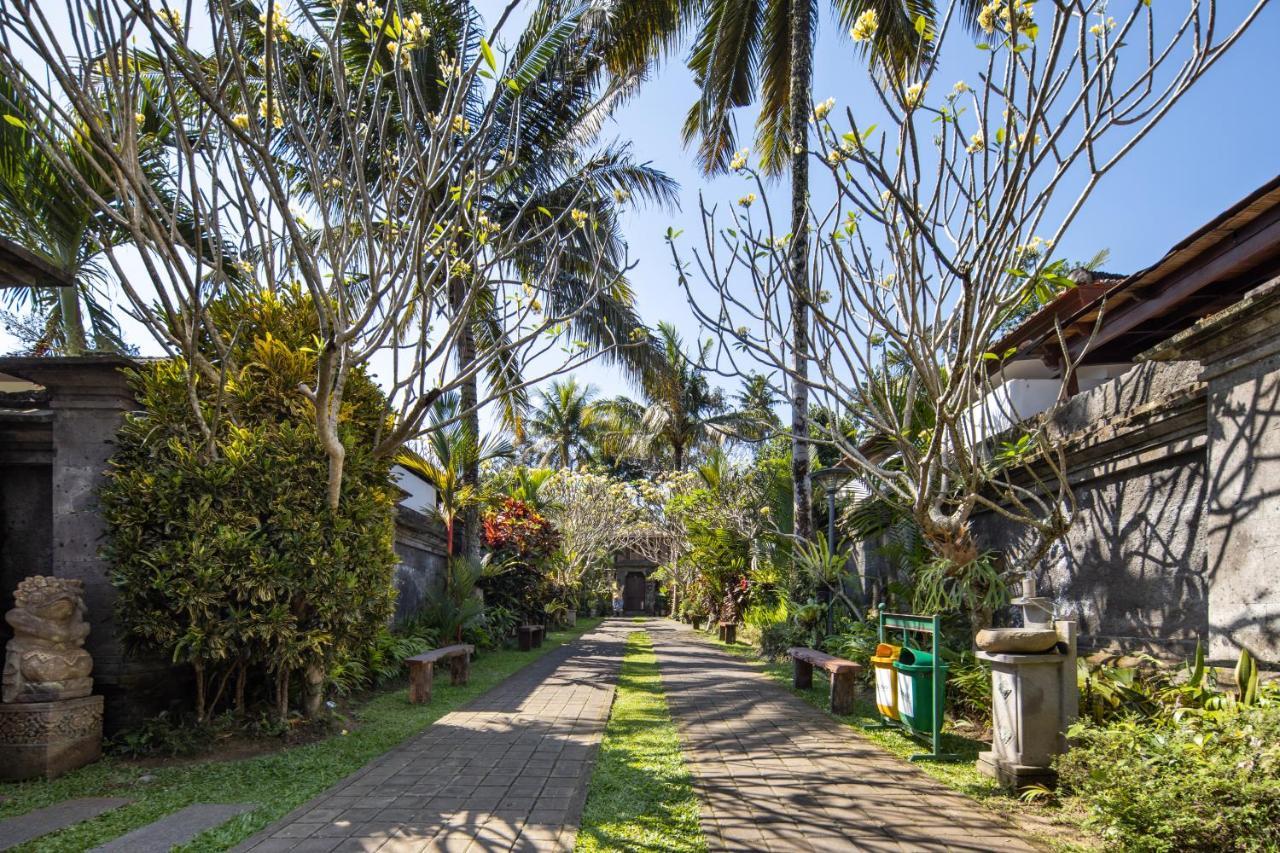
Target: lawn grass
pixel 275 783
pixel 1055 827
pixel 641 796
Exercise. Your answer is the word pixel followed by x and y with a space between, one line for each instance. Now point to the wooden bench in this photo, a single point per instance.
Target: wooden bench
pixel 728 632
pixel 422 669
pixel 531 637
pixel 843 672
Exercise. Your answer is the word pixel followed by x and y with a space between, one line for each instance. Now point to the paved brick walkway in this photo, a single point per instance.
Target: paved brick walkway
pixel 774 773
pixel 507 772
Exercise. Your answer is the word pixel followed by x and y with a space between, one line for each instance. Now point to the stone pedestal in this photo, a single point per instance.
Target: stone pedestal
pixel 1034 699
pixel 47 739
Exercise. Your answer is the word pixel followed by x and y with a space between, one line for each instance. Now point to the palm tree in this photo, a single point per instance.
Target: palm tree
pixel 564 424
pixel 680 413
pixel 755 404
pixel 45 213
pixel 449 450
pixel 42 213
pixel 744 50
pixel 560 115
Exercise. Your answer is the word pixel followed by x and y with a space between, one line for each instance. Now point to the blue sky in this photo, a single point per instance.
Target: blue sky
pixel 1220 142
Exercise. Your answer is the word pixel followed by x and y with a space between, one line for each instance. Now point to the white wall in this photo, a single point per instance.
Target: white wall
pixel 422 495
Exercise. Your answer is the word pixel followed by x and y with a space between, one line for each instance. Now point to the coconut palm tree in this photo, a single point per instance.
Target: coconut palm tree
pixel 679 414
pixel 563 425
pixel 44 213
pixel 40 212
pixel 762 50
pixel 560 115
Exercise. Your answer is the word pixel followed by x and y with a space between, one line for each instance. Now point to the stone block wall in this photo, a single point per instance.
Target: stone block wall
pixel 1175 468
pixel 420 545
pixel 1132 569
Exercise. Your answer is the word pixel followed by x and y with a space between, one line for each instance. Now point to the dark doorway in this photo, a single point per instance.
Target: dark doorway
pixel 633 593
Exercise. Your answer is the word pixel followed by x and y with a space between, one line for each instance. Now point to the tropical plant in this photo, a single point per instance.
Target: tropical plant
pixel 680 414
pixel 562 427
pixel 40 212
pixel 226 555
pixel 557 165
pixel 61 222
pixel 456 604
pixel 444 457
pixel 1204 783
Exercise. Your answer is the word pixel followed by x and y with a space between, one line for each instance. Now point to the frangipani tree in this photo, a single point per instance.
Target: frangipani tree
pixel 937 199
pixel 596 516
pixel 299 134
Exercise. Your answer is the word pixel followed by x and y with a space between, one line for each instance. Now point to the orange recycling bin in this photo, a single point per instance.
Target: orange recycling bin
pixel 886 678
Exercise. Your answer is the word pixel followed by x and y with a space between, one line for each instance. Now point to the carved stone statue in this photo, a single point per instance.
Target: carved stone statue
pixel 45 661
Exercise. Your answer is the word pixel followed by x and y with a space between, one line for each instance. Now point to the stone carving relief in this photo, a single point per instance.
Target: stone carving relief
pixel 45 661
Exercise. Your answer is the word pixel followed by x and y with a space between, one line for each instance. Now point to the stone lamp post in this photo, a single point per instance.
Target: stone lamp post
pixel 1034 693
pixel 49 722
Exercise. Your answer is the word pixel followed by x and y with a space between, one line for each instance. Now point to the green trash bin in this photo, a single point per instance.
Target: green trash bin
pixel 915 688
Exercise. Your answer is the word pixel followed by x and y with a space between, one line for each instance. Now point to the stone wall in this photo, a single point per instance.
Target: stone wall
pixel 1239 352
pixel 420 544
pixel 1175 468
pixel 1132 569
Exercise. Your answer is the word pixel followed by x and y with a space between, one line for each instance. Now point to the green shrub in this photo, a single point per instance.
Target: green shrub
pixel 1205 780
pixel 223 548
pixel 161 735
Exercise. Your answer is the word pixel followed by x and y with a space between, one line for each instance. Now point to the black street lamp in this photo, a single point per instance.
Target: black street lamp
pixel 830 478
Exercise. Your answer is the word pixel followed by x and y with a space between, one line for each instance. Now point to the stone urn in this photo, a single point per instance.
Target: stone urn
pixel 1034 695
pixel 49 722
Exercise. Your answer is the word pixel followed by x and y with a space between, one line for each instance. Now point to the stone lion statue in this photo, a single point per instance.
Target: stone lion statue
pixel 45 661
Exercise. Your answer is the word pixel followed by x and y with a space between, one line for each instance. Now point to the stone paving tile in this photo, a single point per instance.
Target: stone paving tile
pixel 509 771
pixel 34 824
pixel 774 773
pixel 174 829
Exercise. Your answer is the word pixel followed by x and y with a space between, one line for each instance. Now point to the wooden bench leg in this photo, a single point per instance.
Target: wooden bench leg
pixel 842 693
pixel 460 669
pixel 526 640
pixel 802 676
pixel 420 678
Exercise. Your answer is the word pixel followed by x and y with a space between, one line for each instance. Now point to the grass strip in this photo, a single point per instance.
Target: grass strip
pixel 641 796
pixel 276 783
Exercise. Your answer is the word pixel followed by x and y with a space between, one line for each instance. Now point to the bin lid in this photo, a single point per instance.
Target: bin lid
pixel 917 660
pixel 886 653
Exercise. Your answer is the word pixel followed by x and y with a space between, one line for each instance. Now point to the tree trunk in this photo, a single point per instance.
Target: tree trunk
pixel 314 690
pixel 282 695
pixel 198 666
pixel 800 101
pixel 468 395
pixel 73 339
